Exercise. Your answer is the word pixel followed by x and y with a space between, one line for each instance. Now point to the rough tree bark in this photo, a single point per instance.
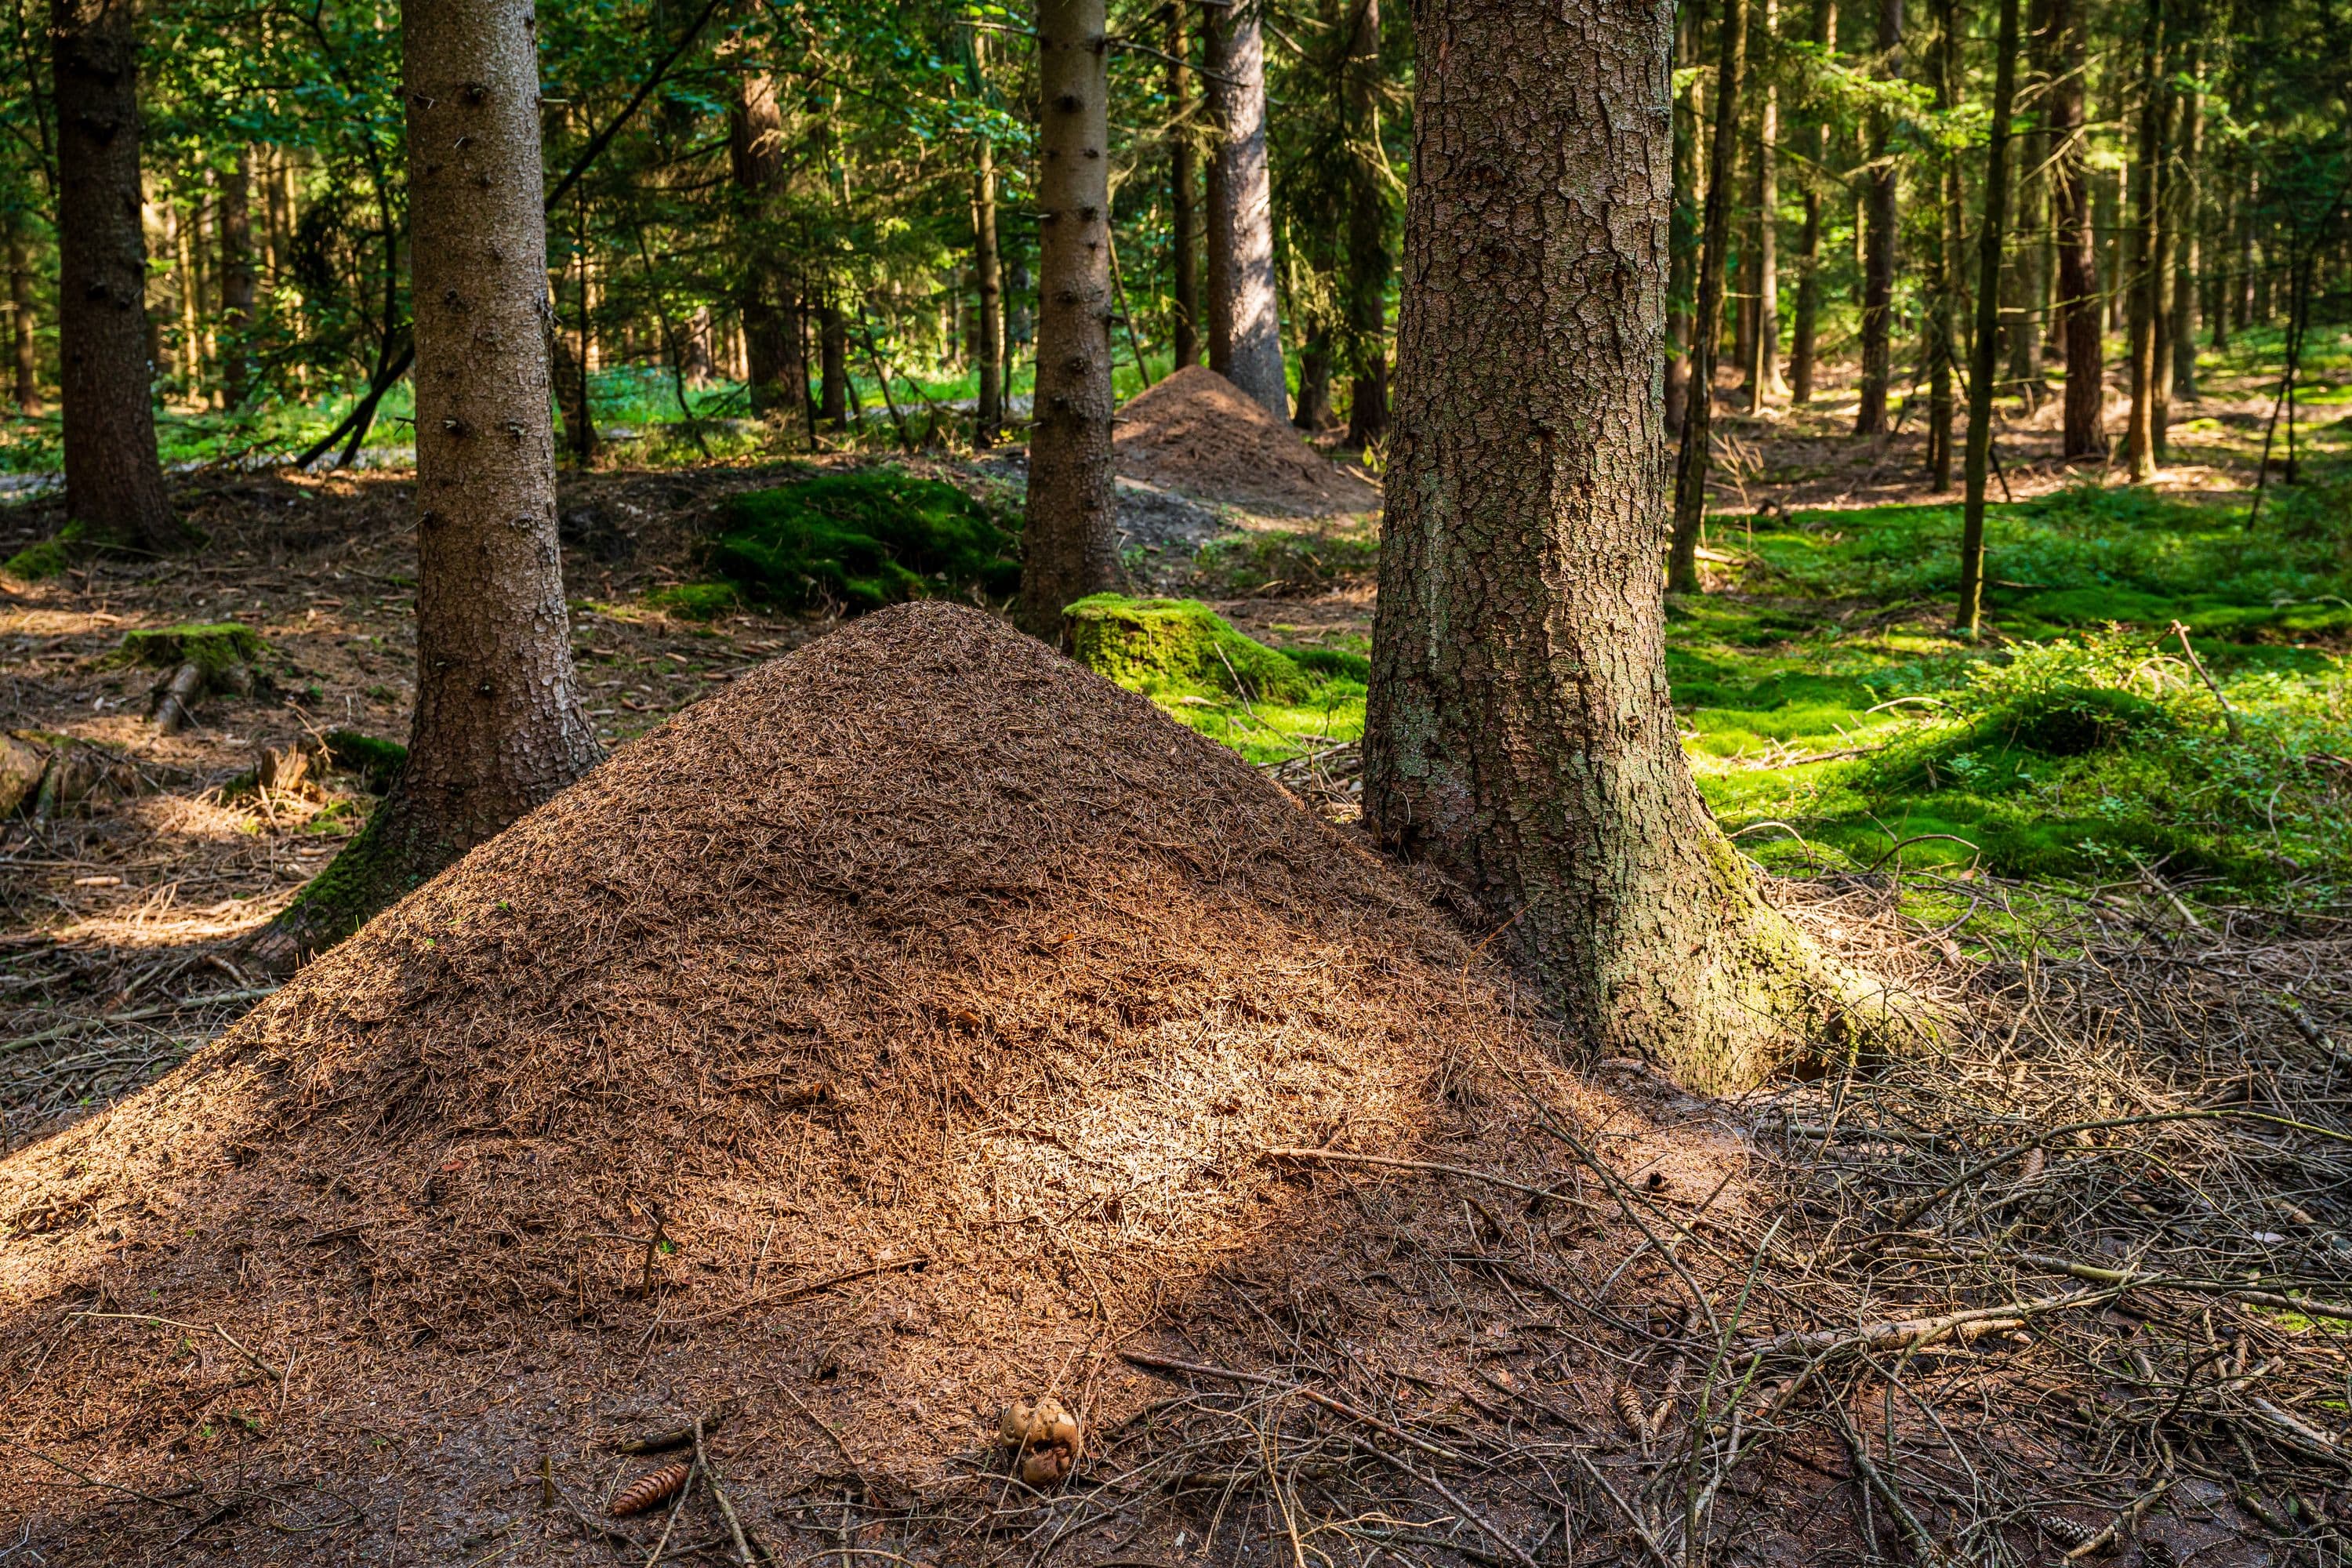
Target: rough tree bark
pixel 988 418
pixel 1183 222
pixel 2085 433
pixel 23 322
pixel 1805 330
pixel 1519 737
pixel 1241 211
pixel 773 366
pixel 1069 548
pixel 1986 343
pixel 1878 239
pixel 2146 235
pixel 115 486
pixel 498 727
pixel 1368 261
pixel 1691 461
pixel 237 280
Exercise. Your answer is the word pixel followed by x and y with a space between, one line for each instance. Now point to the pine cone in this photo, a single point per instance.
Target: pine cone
pixel 650 1490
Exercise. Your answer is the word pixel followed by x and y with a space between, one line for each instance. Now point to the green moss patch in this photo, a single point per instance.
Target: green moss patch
pixel 376 763
pixel 49 558
pixel 695 601
pixel 1266 703
pixel 213 647
pixel 859 540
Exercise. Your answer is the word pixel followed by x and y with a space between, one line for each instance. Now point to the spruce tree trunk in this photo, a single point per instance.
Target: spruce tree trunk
pixel 1878 241
pixel 498 727
pixel 1805 330
pixel 2139 432
pixel 237 277
pixel 1185 238
pixel 1682 266
pixel 2083 431
pixel 2186 226
pixel 1216 255
pixel 776 372
pixel 988 417
pixel 1986 340
pixel 1691 461
pixel 1369 262
pixel 1944 267
pixel 115 486
pixel 24 323
pixel 1241 213
pixel 1068 547
pixel 833 367
pixel 1314 410
pixel 1519 737
pixel 1763 364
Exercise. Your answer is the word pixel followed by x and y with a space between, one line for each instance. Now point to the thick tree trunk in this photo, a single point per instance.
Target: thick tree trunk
pixel 1068 547
pixel 2139 432
pixel 776 374
pixel 988 262
pixel 237 277
pixel 1185 240
pixel 1986 341
pixel 1762 366
pixel 1368 261
pixel 1241 213
pixel 23 322
pixel 498 727
pixel 1519 736
pixel 1878 243
pixel 1693 459
pixel 115 486
pixel 1804 333
pixel 2085 434
pixel 1682 266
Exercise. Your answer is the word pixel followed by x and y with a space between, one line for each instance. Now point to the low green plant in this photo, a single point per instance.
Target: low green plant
pixel 859 540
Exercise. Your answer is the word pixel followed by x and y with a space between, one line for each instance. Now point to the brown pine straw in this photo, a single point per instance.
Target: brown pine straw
pixel 1152 1092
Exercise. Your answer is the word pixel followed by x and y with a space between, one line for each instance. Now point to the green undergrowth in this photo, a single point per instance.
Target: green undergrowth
pixel 1268 704
pixel 1834 722
pixel 855 541
pixel 1282 562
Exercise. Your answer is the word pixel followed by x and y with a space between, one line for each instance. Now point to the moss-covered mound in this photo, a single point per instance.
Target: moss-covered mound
pixel 49 558
pixel 213 647
pixel 1180 646
pixel 858 541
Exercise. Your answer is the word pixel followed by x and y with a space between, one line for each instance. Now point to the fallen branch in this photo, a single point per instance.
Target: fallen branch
pixel 1337 1408
pixel 1491 1531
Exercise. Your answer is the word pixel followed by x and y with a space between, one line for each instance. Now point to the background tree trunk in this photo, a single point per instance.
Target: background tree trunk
pixel 1241 213
pixel 1691 461
pixel 1986 342
pixel 1763 367
pixel 1804 333
pixel 1369 262
pixel 1944 260
pixel 236 289
pixel 775 368
pixel 24 323
pixel 1069 548
pixel 2085 434
pixel 1682 267
pixel 115 486
pixel 1184 237
pixel 989 416
pixel 498 727
pixel 833 367
pixel 1878 242
pixel 1519 736
pixel 2140 431
pixel 2187 226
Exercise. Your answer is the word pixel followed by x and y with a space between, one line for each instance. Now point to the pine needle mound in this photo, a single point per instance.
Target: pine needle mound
pixel 1197 432
pixel 884 1040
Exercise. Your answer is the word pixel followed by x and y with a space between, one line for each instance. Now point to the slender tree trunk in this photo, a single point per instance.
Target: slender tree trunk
pixel 2187 226
pixel 2079 307
pixel 777 372
pixel 1241 211
pixel 1986 342
pixel 1807 327
pixel 1519 736
pixel 2159 266
pixel 1878 244
pixel 2140 436
pixel 498 728
pixel 1693 459
pixel 1184 237
pixel 2023 279
pixel 833 367
pixel 990 417
pixel 1943 280
pixel 1368 260
pixel 114 487
pixel 236 278
pixel 1681 269
pixel 1216 255
pixel 22 321
pixel 1068 547
pixel 1763 365
pixel 1314 409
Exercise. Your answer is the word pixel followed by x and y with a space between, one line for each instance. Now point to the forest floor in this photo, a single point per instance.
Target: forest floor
pixel 2119 855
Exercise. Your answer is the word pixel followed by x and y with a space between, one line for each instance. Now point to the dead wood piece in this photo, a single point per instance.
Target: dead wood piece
pixel 176 707
pixel 2106 1539
pixel 669 1438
